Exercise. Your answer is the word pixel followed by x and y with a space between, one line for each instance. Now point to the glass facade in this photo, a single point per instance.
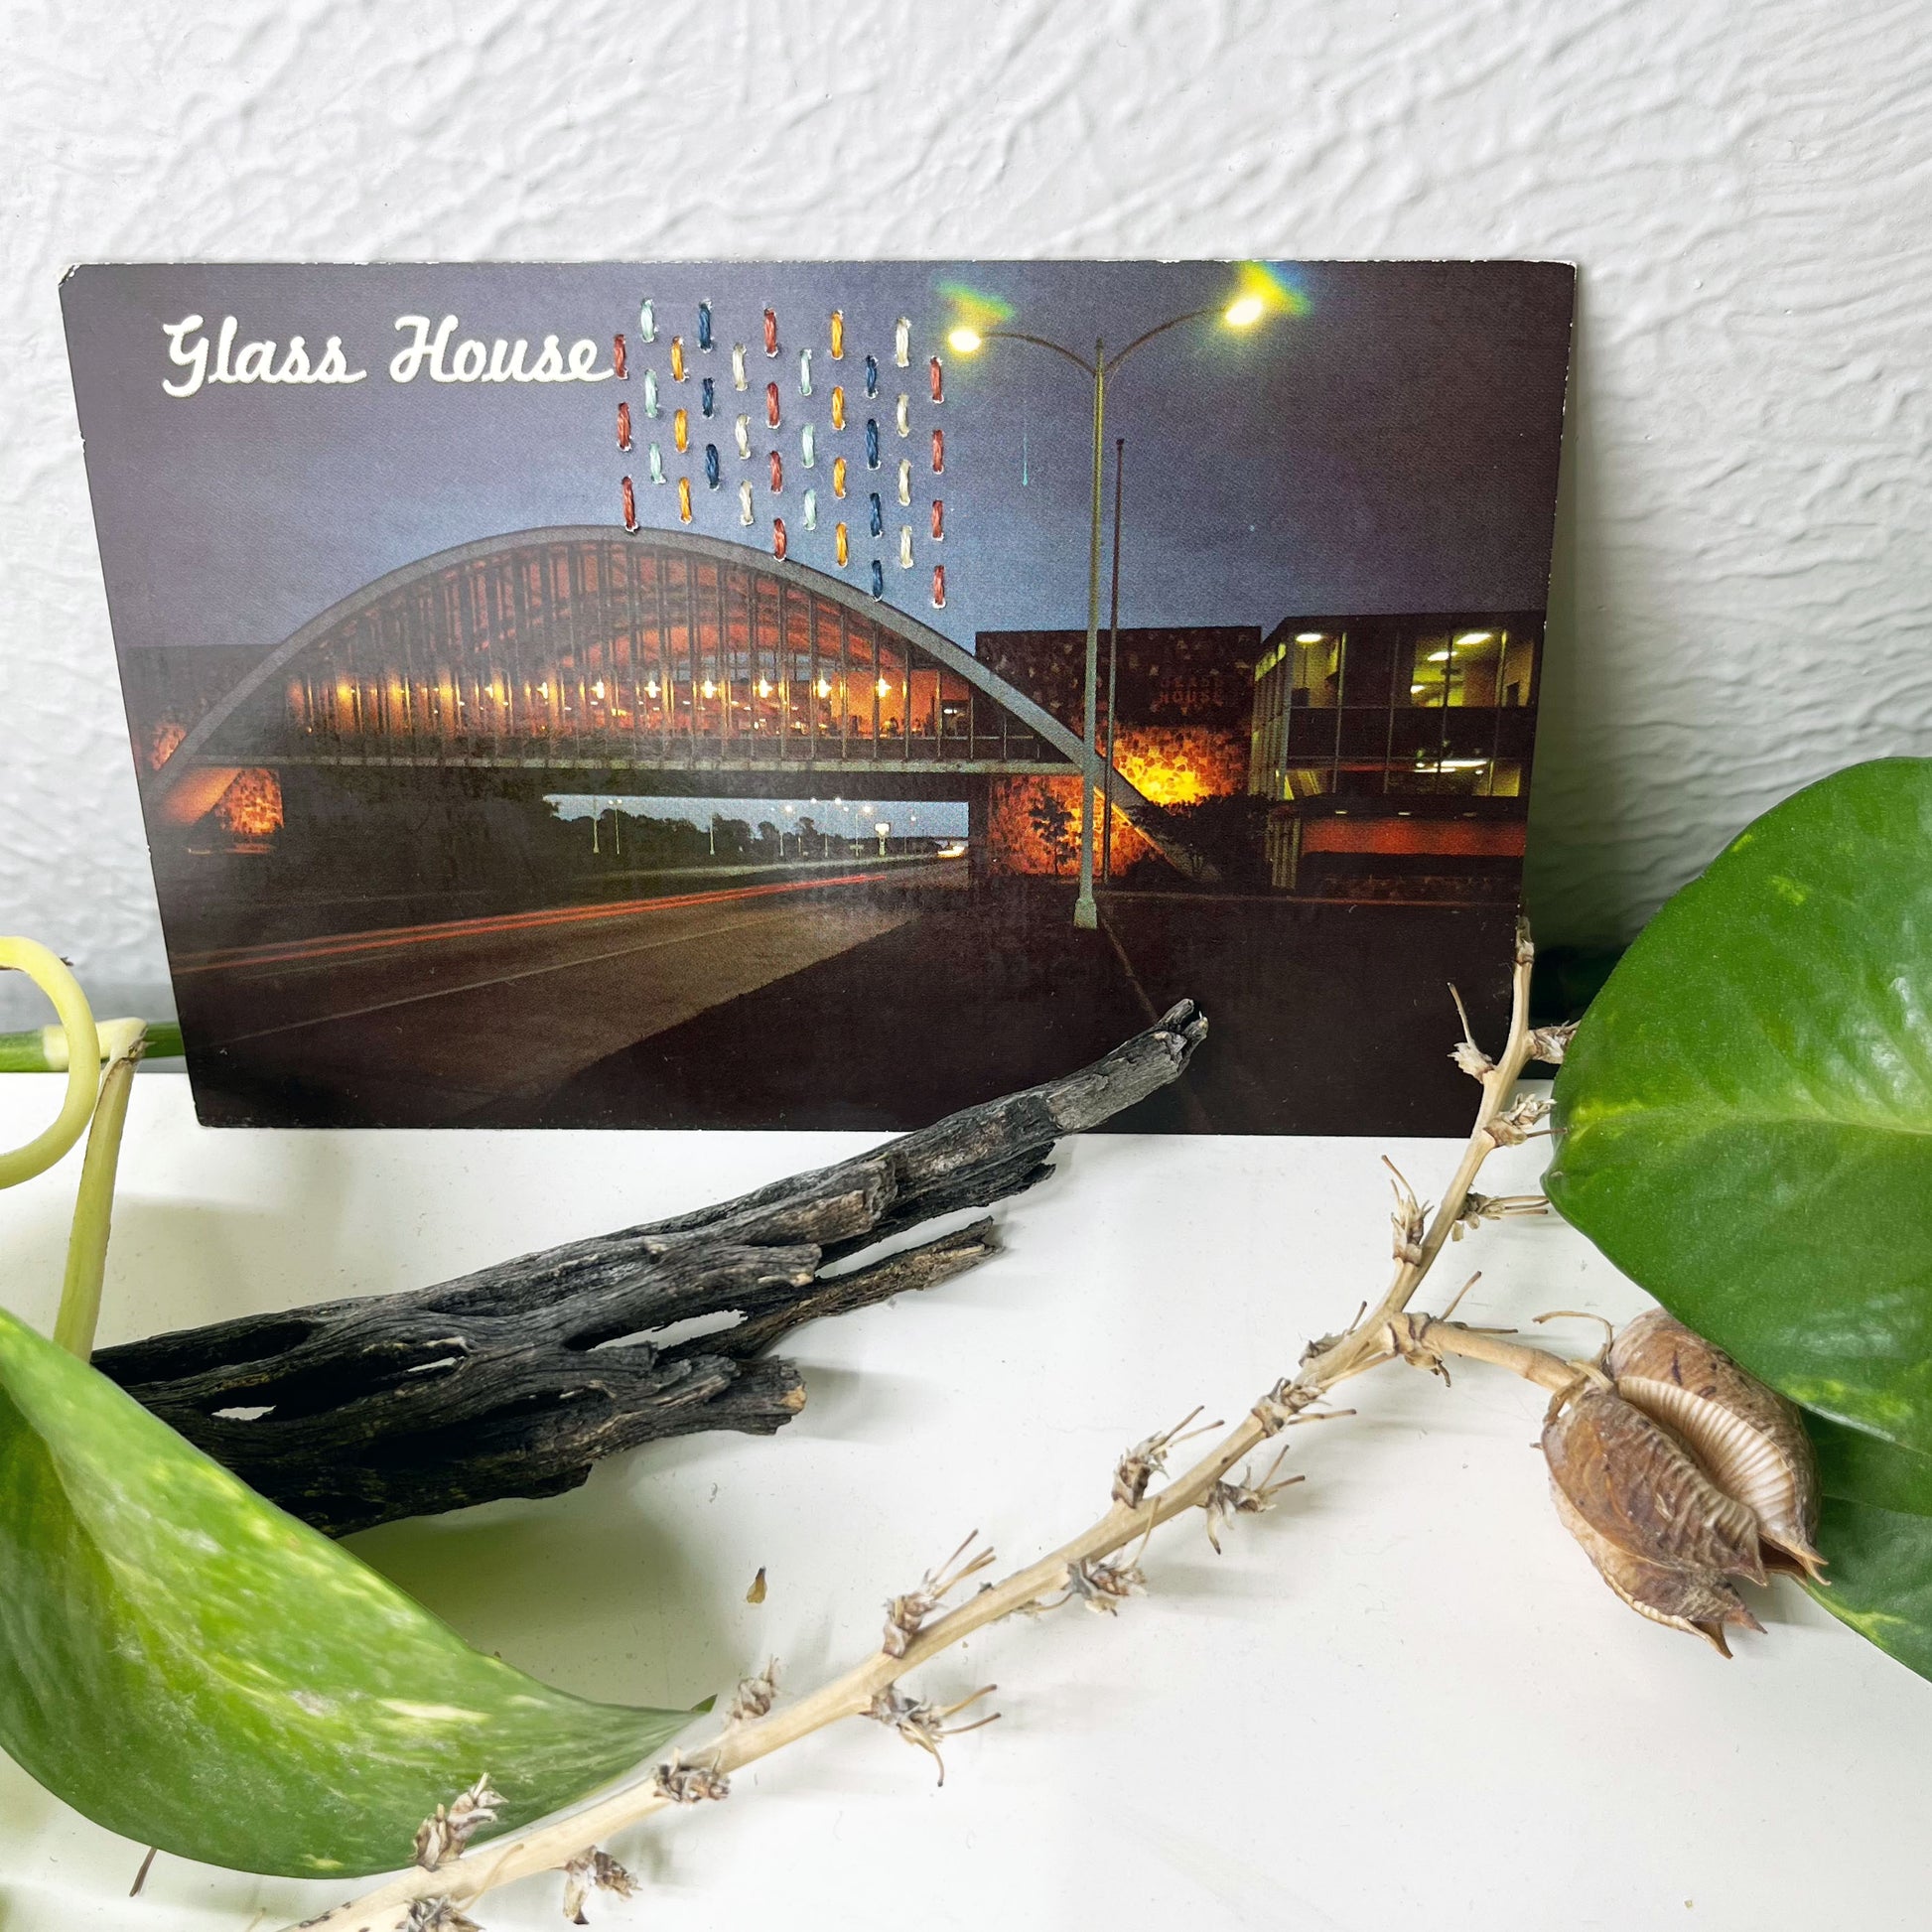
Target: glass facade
pixel 1395 707
pixel 625 651
pixel 1394 754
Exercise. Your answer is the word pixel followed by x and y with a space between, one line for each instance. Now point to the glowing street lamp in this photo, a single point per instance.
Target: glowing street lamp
pixel 883 827
pixel 1242 313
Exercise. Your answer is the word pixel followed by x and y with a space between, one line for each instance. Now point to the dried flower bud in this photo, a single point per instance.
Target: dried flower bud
pixel 1467 1055
pixel 1102 1587
pixel 438 1915
pixel 1147 1459
pixel 1660 1532
pixel 1747 1436
pixel 1408 1220
pixel 1244 1497
pixel 590 1871
pixel 906 1615
pixel 755 1696
pixel 925 1724
pixel 1549 1043
pixel 689 1784
pixel 447 1832
pixel 1514 1125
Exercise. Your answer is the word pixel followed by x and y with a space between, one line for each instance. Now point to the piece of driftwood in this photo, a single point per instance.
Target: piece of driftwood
pixel 514 1380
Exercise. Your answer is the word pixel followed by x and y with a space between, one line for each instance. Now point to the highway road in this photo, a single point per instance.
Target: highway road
pixel 432 1024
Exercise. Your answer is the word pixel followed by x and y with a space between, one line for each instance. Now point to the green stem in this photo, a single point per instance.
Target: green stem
pixel 43 1050
pixel 93 1201
pixel 49 972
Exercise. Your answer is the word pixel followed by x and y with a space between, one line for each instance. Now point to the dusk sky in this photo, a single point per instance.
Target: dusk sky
pixel 1393 445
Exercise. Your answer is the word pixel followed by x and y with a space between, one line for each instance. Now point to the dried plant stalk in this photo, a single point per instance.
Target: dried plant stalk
pixel 919 1629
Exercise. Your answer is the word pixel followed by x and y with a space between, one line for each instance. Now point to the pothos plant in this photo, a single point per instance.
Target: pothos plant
pixel 1744 1126
pixel 1744 1123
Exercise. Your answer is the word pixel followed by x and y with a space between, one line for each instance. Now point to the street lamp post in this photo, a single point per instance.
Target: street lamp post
pixel 1113 683
pixel 1240 314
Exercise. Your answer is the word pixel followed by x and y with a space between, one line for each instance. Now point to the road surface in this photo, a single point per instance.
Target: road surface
pixel 430 1025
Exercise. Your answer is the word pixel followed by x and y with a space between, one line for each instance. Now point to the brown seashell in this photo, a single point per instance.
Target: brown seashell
pixel 1640 1489
pixel 1697 1601
pixel 1749 1438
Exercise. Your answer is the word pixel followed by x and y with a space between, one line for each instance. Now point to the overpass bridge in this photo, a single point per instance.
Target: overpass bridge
pixel 599 660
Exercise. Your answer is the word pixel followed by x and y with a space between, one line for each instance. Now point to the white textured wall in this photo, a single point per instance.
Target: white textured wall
pixel 1742 569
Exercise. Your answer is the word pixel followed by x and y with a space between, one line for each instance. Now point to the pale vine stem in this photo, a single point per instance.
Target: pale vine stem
pixel 1386 1332
pixel 49 971
pixel 93 1201
pixel 96 1101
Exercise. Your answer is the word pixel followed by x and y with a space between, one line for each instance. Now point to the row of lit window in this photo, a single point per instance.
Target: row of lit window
pixel 357 701
pixel 1479 777
pixel 1316 670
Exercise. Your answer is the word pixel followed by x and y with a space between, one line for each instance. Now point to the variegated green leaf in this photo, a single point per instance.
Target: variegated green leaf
pixel 193 1667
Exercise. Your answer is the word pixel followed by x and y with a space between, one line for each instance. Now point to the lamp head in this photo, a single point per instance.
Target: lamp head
pixel 965 341
pixel 1243 312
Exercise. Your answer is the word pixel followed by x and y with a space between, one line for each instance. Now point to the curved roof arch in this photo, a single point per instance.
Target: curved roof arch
pixel 201 743
pixel 886 616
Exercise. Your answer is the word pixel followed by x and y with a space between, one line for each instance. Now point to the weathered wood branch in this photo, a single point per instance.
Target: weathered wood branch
pixel 514 1380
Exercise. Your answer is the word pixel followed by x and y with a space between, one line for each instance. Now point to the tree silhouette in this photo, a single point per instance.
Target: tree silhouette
pixel 1053 818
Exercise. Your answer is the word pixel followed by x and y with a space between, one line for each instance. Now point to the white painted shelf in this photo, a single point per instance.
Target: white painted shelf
pixel 1401 1701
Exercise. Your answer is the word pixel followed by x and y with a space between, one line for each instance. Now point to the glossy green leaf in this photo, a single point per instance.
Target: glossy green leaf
pixel 1875 1532
pixel 194 1669
pixel 1746 1114
pixel 1882 1578
pixel 1860 1468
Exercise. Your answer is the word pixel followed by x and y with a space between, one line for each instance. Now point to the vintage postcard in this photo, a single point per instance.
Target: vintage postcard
pixel 830 694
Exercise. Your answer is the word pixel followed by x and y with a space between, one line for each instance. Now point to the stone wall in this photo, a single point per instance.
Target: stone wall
pixel 1177 765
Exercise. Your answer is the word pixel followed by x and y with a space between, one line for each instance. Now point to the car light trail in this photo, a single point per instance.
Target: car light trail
pixel 337 946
